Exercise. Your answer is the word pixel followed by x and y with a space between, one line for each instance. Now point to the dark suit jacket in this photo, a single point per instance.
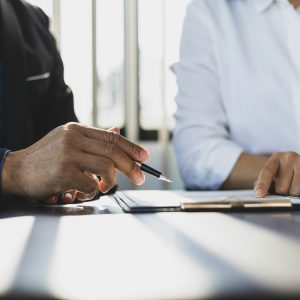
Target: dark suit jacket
pixel 36 98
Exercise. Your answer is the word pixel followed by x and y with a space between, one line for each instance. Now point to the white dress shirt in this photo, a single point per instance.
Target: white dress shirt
pixel 238 86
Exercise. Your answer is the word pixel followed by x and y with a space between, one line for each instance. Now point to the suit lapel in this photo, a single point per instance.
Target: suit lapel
pixel 14 77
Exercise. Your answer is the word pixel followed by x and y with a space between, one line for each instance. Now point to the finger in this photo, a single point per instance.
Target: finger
pixel 82 197
pixel 100 166
pixel 52 200
pixel 284 178
pixel 115 129
pixel 84 184
pixel 86 197
pixel 134 151
pixel 105 159
pixel 104 188
pixel 255 184
pixel 266 176
pixel 295 185
pixel 68 197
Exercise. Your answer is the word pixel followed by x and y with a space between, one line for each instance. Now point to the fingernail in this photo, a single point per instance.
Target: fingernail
pixel 145 154
pixel 141 179
pixel 69 196
pixel 259 193
pixel 104 188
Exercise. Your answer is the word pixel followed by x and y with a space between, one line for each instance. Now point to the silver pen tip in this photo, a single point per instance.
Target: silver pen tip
pixel 165 179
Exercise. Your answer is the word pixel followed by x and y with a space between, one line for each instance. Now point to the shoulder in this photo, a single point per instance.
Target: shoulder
pixel 217 5
pixel 221 14
pixel 218 8
pixel 211 6
pixel 32 12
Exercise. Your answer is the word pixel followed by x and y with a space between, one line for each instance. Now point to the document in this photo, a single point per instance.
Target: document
pixel 152 201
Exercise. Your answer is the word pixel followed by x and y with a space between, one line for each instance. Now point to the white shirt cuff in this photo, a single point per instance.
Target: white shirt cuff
pixel 214 166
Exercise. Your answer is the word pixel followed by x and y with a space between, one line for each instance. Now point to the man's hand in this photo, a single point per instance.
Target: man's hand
pixel 282 170
pixel 63 160
pixel 72 196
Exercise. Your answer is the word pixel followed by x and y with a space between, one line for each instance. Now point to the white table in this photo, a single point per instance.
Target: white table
pixel 113 255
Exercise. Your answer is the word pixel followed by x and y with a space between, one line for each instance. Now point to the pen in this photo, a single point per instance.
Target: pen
pixel 152 172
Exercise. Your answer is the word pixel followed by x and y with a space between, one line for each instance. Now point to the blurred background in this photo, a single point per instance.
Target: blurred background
pixel 117 56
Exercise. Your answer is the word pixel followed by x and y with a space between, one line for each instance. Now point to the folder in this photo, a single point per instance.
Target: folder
pixel 226 201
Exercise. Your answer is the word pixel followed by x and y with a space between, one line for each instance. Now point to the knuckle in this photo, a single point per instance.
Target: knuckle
pixel 276 155
pixel 71 126
pixel 290 155
pixel 69 137
pixel 113 137
pixel 134 149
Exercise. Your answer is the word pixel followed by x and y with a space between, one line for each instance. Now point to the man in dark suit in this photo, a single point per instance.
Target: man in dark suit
pixel 42 154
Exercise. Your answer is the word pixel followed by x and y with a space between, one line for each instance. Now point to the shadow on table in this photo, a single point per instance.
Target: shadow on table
pixel 285 223
pixel 229 281
pixel 7 211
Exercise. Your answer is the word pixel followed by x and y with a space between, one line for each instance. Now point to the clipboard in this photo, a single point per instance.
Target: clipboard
pixel 237 204
pixel 220 201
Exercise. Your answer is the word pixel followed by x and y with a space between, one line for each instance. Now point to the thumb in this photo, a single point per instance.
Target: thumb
pixel 115 129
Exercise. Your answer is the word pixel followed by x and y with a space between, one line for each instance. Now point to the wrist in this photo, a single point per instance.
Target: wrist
pixel 3 155
pixel 9 180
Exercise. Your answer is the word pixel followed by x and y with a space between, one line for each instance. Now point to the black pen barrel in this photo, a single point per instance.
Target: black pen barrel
pixel 150 170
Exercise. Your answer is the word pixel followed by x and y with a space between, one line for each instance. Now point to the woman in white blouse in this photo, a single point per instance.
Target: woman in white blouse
pixel 238 117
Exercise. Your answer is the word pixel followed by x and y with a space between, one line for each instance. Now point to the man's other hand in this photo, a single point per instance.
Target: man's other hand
pixel 63 160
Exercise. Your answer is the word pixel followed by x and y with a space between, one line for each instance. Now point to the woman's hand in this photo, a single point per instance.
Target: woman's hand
pixel 281 170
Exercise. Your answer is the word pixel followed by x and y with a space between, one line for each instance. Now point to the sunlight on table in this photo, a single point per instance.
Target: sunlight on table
pixel 14 234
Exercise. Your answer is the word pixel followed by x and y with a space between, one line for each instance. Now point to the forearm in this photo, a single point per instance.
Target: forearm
pixel 245 172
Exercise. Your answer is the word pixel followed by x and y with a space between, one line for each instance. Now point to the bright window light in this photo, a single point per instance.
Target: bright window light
pixel 159 28
pixel 160 23
pixel 110 63
pixel 76 50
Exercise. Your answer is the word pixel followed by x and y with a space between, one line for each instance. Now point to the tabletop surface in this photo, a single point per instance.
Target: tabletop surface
pixel 95 251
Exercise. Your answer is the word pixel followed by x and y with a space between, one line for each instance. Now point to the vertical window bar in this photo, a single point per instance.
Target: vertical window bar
pixel 95 81
pixel 56 22
pixel 164 130
pixel 131 68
